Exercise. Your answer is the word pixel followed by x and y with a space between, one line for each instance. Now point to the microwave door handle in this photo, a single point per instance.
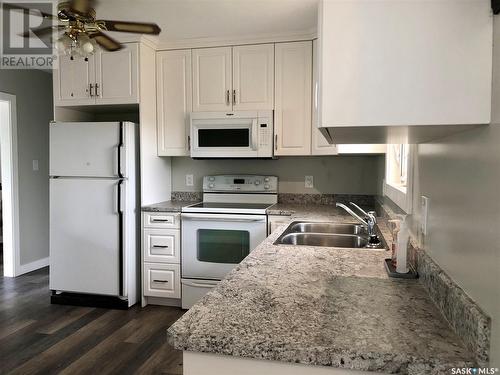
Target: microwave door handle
pixel 254 134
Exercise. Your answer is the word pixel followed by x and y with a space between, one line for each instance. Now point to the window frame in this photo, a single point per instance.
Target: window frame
pixel 399 195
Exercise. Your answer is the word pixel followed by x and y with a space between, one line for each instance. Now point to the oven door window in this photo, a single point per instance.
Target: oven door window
pixel 223 246
pixel 235 137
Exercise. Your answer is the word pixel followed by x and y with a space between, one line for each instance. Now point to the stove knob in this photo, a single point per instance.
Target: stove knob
pixel 266 179
pixel 257 182
pixel 266 187
pixel 210 185
pixel 211 178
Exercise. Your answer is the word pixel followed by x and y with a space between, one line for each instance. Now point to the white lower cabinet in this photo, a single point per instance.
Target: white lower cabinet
pixel 162 280
pixel 275 221
pixel 161 258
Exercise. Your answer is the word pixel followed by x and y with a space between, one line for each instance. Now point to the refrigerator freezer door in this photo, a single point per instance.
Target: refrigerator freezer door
pixel 80 149
pixel 85 255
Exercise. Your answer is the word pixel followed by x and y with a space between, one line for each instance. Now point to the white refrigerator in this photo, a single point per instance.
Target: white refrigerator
pixel 93 212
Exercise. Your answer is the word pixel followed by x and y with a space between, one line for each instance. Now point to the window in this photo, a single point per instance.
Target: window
pixel 398 173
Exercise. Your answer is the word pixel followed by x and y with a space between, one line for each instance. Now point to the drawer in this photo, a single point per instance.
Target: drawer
pixel 162 280
pixel 161 220
pixel 162 245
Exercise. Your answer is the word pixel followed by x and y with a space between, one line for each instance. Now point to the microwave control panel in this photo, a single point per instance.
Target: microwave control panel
pixel 266 136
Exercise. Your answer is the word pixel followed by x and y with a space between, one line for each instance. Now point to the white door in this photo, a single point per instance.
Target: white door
pixel 72 80
pixel 213 244
pixel 212 86
pixel 84 236
pixel 174 101
pixel 292 115
pixel 253 77
pixel 84 149
pixel 117 75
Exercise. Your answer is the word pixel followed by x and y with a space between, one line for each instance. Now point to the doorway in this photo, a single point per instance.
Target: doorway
pixel 9 186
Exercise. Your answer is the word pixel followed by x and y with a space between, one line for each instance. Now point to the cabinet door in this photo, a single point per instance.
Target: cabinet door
pixel 253 77
pixel 212 79
pixel 174 101
pixel 117 75
pixel 319 145
pixel 292 115
pixel 72 80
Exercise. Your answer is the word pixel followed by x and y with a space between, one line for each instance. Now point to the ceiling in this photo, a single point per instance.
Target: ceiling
pixel 217 19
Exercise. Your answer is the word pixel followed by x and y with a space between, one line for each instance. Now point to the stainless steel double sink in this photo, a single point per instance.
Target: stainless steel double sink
pixel 325 234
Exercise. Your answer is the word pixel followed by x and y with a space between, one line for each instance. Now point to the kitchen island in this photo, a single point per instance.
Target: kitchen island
pixel 316 310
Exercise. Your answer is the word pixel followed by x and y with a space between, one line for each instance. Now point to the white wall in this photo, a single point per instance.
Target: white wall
pixel 461 176
pixel 33 90
pixel 332 174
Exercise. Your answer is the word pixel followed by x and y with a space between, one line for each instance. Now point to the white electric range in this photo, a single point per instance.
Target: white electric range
pixel 218 233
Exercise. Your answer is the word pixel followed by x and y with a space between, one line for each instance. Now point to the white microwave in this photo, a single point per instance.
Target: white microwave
pixel 245 134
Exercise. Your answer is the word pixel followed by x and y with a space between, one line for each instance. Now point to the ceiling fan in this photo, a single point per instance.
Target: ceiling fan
pixel 82 32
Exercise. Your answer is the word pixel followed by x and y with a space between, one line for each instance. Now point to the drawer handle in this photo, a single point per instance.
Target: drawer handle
pixel 160 246
pixel 160 281
pixel 160 220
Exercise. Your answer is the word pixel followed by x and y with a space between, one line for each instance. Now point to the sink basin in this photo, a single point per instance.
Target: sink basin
pixel 327 235
pixel 307 227
pixel 321 239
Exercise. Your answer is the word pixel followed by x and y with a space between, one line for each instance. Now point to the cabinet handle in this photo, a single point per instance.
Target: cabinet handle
pixel 189 143
pixel 96 88
pixel 160 246
pixel 234 96
pixel 160 220
pixel 160 281
pixel 90 90
pixel 276 142
pixel 227 97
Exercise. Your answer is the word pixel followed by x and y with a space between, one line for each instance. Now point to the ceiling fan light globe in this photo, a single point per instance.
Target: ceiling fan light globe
pixel 88 48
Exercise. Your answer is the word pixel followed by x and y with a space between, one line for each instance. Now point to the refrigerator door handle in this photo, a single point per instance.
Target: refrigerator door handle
pixel 119 152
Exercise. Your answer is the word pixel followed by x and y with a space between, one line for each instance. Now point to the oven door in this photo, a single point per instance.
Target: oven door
pixel 213 244
pixel 224 138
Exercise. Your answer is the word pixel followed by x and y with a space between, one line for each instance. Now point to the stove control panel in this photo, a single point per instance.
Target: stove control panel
pixel 240 183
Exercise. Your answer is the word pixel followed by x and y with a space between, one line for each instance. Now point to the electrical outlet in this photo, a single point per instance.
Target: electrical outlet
pixel 35 165
pixel 424 213
pixel 189 180
pixel 309 182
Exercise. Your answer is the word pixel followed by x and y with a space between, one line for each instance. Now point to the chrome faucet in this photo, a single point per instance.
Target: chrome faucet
pixel 369 222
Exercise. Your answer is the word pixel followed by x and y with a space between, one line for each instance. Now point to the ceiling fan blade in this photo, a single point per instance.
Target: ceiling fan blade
pixel 130 27
pixel 12 6
pixel 106 42
pixel 42 31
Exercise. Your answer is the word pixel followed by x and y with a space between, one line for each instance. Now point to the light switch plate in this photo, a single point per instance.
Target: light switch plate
pixel 189 180
pixel 309 182
pixel 424 213
pixel 35 165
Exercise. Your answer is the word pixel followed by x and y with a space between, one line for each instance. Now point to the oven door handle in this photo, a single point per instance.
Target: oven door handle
pixel 254 134
pixel 227 218
pixel 201 284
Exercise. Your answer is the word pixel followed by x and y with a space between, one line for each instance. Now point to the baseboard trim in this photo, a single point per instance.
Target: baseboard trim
pixel 33 266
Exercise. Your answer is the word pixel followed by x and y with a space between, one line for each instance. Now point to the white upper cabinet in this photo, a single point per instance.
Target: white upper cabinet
pixel 253 77
pixel 116 76
pixel 403 64
pixel 106 78
pixel 233 78
pixel 72 81
pixel 319 144
pixel 212 85
pixel 292 115
pixel 174 93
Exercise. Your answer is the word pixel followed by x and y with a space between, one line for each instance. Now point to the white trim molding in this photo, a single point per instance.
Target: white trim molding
pixel 401 196
pixel 33 266
pixel 10 185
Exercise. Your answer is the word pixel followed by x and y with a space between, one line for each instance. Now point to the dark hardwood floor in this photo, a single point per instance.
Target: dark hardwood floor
pixel 39 338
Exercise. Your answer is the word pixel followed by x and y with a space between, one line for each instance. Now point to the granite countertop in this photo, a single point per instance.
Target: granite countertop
pixel 321 306
pixel 167 206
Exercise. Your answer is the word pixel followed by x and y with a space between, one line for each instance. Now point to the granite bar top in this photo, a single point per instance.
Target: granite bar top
pixel 324 307
pixel 167 206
